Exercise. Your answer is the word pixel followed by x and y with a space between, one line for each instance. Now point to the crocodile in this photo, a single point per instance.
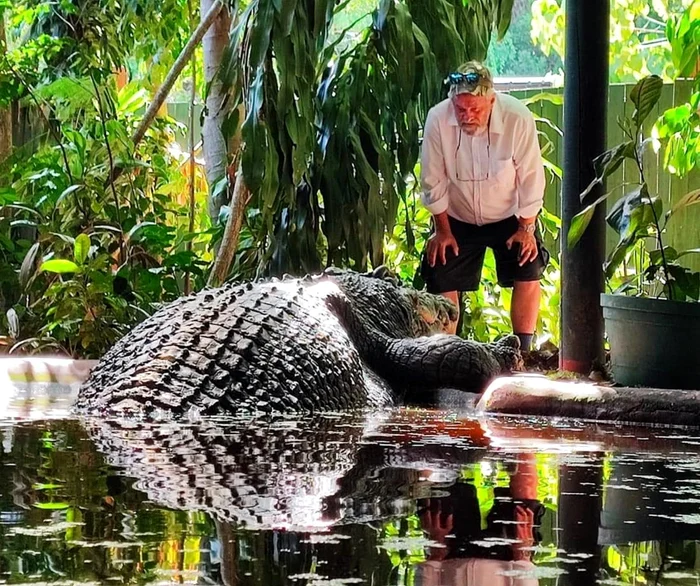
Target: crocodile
pixel 329 342
pixel 303 471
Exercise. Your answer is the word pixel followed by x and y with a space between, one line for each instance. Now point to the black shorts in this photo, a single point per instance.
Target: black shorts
pixel 463 272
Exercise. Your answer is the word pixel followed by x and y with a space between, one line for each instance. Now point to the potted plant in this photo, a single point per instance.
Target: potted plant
pixel 652 317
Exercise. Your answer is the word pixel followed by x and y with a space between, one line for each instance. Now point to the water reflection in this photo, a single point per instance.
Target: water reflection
pixel 397 497
pixel 495 549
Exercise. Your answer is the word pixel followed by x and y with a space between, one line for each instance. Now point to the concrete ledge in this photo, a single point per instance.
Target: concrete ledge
pixel 44 369
pixel 539 396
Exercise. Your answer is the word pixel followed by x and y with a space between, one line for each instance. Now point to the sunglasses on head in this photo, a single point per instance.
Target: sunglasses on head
pixel 471 78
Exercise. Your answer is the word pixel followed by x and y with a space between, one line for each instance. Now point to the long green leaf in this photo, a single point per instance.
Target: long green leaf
pixel 287 11
pixel 24 208
pixel 505 10
pixel 689 199
pixel 66 192
pixel 689 251
pixel 580 221
pixel 260 35
pixel 81 248
pixel 28 267
pixel 607 163
pixel 645 95
pixel 52 506
pixel 670 254
pixel 556 99
pixel 617 257
pixel 130 234
pixel 254 135
pixel 59 265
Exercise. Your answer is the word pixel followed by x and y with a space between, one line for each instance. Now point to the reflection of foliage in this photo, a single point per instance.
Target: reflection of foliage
pixel 408 550
pixel 489 475
pixel 647 561
pixel 110 533
pixel 637 44
pixel 70 504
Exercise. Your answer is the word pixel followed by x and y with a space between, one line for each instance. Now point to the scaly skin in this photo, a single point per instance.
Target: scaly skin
pixel 297 472
pixel 339 341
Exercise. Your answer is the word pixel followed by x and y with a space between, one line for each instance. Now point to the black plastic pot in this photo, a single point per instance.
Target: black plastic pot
pixel 653 342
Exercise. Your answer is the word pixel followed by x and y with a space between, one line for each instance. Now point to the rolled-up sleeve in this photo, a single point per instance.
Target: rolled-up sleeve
pixel 529 169
pixel 434 180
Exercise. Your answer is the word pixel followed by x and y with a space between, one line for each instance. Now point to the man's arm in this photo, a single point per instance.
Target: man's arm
pixel 435 185
pixel 434 180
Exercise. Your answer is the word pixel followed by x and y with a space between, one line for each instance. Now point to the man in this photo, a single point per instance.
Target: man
pixel 483 181
pixel 465 550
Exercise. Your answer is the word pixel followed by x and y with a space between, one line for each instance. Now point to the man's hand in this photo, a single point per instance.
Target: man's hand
pixel 528 246
pixel 524 519
pixel 437 247
pixel 437 524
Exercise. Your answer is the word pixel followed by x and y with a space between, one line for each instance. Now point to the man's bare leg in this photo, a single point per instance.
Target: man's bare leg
pixel 524 309
pixel 454 297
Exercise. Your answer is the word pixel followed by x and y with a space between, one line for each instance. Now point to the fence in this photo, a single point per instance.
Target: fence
pixel 684 229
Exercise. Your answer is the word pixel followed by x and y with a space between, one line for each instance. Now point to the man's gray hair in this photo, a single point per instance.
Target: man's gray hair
pixel 482 87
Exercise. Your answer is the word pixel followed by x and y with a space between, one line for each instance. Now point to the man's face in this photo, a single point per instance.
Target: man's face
pixel 473 111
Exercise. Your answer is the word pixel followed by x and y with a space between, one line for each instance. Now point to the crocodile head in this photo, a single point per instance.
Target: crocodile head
pixel 435 313
pixel 380 299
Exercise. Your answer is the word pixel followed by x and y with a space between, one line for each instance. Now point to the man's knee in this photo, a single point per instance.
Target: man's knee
pixel 527 286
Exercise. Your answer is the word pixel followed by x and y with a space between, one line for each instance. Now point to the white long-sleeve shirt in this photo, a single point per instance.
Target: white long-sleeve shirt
pixel 484 178
pixel 476 572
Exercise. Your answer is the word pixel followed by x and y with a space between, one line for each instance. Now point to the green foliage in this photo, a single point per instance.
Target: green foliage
pixel 638 47
pixel 84 262
pixel 516 54
pixel 679 127
pixel 330 167
pixel 637 216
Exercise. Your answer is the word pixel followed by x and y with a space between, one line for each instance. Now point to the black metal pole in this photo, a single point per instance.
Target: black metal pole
pixel 580 506
pixel 585 101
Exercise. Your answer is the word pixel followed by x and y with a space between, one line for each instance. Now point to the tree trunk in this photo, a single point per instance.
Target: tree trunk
pixel 5 113
pixel 229 242
pixel 210 19
pixel 214 144
pixel 229 556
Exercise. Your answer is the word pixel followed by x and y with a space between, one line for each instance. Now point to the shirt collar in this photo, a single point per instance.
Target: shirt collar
pixel 496 124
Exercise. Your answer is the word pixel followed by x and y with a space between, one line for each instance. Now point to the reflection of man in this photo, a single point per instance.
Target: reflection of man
pixel 483 181
pixel 495 556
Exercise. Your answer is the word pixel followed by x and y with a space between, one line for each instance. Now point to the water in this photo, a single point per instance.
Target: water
pixel 410 497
